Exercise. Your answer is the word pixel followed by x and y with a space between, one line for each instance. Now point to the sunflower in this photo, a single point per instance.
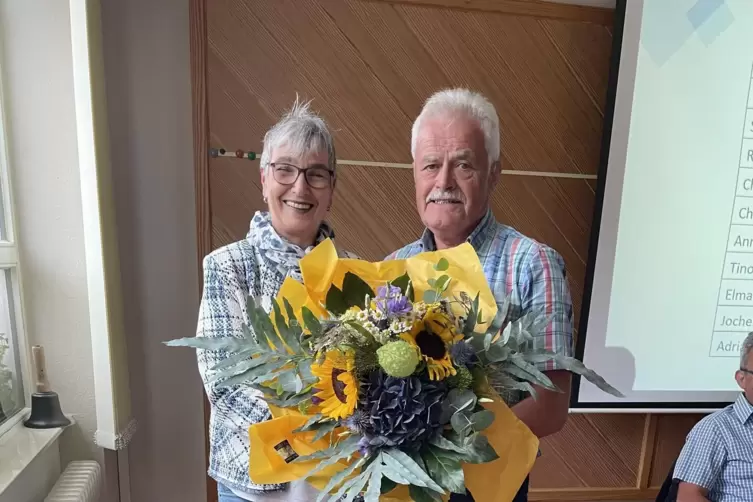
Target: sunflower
pixel 337 388
pixel 433 335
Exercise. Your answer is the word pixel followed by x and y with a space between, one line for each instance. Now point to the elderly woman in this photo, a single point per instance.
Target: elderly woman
pixel 298 179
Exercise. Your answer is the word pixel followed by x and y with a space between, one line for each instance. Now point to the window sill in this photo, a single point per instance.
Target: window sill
pixel 20 446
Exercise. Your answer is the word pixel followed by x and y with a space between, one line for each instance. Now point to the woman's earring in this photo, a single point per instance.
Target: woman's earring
pixel 265 199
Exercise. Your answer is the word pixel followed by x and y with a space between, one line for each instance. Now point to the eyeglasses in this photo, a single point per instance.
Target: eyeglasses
pixel 316 176
pixel 745 370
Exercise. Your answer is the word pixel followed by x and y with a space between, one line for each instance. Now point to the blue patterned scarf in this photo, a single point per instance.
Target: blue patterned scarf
pixel 276 251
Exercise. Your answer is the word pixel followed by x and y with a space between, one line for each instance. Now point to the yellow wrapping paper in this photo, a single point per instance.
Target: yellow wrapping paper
pixel 516 445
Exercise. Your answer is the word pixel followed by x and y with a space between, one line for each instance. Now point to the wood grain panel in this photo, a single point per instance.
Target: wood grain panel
pixel 528 8
pixel 200 123
pixel 389 58
pixel 671 431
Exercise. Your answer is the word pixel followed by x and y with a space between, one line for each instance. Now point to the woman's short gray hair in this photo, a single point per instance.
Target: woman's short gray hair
pixel 746 350
pixel 473 105
pixel 302 131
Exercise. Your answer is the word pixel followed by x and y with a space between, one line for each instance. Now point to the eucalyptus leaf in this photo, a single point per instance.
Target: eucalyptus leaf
pixel 409 468
pixel 358 485
pixel 227 343
pixel 526 375
pixel 445 444
pixel 461 399
pixel 337 479
pixel 256 375
pixel 239 368
pixel 430 296
pixel 314 420
pixel 497 352
pixel 575 366
pixel 420 494
pixel 442 283
pixel 394 475
pixel 442 265
pixel 324 430
pixel 348 445
pixel 482 420
pixel 374 489
pixel 344 450
pixel 445 468
pixel 460 423
pixel 293 324
pixel 487 341
pixel 479 451
pixel 286 333
pixel 501 383
pixel 311 322
pixel 338 496
pixel 537 377
pixel 234 359
pixel 289 402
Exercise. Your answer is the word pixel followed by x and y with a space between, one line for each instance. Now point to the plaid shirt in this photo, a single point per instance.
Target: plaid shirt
pixel 718 454
pixel 531 274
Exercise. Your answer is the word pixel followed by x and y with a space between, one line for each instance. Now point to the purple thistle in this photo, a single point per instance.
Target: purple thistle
pixel 314 399
pixel 391 301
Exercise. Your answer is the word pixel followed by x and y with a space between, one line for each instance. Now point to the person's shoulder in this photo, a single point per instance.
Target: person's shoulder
pixel 712 423
pixel 231 260
pixel 406 251
pixel 524 248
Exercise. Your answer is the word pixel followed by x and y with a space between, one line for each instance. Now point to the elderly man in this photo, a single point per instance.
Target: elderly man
pixel 716 463
pixel 456 165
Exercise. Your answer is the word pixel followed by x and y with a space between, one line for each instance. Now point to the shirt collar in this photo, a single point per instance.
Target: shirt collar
pixel 476 238
pixel 743 408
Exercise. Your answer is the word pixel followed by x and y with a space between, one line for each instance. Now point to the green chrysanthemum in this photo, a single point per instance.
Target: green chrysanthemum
pixel 463 379
pixel 398 359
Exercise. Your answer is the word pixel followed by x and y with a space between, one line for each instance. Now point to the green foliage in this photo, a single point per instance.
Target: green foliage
pixel 354 293
pixel 506 357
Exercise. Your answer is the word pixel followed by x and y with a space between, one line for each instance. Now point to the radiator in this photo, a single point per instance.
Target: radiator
pixel 79 482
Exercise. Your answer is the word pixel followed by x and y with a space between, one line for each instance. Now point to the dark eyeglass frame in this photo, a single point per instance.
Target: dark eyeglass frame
pixel 305 171
pixel 746 370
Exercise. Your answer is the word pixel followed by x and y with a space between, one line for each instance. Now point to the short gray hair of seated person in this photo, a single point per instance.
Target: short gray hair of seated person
pixel 472 105
pixel 302 131
pixel 745 351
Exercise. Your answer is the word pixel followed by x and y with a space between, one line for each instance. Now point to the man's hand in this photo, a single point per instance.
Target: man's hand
pixel 688 492
pixel 547 413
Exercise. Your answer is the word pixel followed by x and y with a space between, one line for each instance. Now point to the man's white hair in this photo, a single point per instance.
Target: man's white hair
pixel 301 131
pixel 471 104
pixel 745 351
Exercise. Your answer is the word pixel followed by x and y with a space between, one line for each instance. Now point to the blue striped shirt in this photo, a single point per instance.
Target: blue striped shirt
pixel 531 274
pixel 718 454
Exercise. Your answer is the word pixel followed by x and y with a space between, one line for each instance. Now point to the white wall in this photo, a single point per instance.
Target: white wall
pixel 146 50
pixel 36 57
pixel 149 104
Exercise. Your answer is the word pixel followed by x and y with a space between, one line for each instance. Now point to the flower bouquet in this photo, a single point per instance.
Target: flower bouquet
pixel 384 379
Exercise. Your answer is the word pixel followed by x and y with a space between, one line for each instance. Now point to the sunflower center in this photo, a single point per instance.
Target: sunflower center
pixel 431 345
pixel 338 386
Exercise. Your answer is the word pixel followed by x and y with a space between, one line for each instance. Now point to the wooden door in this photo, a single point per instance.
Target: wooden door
pixel 368 66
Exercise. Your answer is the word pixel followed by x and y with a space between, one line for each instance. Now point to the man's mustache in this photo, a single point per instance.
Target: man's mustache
pixel 444 195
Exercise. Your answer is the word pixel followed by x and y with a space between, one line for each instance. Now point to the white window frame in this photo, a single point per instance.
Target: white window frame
pixel 9 260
